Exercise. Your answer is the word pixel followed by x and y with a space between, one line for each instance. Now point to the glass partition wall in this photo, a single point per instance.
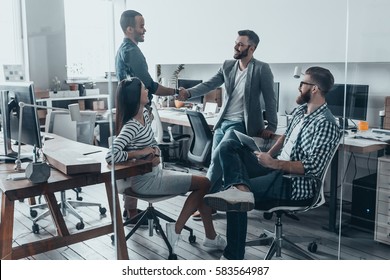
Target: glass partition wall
pixel 350 38
pixel 363 217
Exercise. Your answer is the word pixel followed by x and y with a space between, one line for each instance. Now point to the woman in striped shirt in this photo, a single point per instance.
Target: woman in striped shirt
pixel 135 140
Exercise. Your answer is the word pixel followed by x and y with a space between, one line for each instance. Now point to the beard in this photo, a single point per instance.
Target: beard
pixel 241 54
pixel 139 37
pixel 303 98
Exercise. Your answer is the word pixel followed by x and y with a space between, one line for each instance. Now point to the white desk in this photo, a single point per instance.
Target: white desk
pixel 179 117
pixel 49 101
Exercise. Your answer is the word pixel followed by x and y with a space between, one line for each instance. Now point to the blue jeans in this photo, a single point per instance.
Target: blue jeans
pixel 240 166
pixel 214 172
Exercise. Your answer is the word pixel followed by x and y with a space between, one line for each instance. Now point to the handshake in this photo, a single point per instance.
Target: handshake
pixel 182 94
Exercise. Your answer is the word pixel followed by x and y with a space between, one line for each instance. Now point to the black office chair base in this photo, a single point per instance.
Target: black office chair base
pixel 153 217
pixel 277 241
pixel 65 206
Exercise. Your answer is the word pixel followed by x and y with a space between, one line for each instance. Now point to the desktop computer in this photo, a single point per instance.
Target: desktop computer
pixel 363 202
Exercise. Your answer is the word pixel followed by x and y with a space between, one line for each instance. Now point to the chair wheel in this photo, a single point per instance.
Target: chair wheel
pixel 33 213
pixel 79 198
pixel 102 210
pixel 35 228
pixel 312 247
pixel 268 216
pixel 80 225
pixel 172 257
pixel 192 239
pixel 112 239
pixel 124 214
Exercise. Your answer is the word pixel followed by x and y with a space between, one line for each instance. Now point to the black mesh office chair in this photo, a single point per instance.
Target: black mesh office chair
pixel 202 141
pixel 59 122
pixel 277 240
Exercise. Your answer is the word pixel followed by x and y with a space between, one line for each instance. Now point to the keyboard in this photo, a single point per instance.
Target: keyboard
pixel 381 131
pixel 375 134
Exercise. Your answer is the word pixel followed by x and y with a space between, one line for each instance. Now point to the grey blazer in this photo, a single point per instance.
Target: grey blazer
pixel 260 80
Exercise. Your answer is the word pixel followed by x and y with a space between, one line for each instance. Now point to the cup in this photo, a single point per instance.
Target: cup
pixel 363 125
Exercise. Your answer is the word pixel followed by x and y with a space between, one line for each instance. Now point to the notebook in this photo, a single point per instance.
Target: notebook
pixel 247 141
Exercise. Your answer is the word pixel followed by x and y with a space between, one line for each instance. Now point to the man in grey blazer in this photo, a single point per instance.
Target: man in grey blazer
pixel 245 79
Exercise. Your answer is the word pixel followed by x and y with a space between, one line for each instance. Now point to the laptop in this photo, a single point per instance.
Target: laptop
pixel 247 141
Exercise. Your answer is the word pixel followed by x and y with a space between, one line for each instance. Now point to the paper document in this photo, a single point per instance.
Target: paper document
pixel 247 141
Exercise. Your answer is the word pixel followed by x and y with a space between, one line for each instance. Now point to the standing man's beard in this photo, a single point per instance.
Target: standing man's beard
pixel 242 54
pixel 303 98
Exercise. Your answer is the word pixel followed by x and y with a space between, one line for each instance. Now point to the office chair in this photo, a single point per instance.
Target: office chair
pixel 277 240
pixel 153 217
pixel 202 141
pixel 166 141
pixel 59 122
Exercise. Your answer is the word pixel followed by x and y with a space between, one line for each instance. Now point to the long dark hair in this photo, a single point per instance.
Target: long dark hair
pixel 128 97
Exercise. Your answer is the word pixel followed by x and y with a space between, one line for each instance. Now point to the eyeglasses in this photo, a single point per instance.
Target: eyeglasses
pixel 239 44
pixel 306 83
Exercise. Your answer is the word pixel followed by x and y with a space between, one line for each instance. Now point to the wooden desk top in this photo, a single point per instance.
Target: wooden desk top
pixel 17 190
pixel 58 181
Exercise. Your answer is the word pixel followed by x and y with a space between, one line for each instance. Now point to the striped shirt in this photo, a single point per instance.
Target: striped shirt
pixel 317 139
pixel 133 136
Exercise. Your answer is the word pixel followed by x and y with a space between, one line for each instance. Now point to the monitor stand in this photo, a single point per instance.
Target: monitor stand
pixel 344 124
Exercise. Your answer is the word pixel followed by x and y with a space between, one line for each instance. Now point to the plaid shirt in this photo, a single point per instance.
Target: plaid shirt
pixel 317 139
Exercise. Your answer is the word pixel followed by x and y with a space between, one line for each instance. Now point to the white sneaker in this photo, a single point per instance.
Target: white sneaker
pixel 217 243
pixel 172 236
pixel 223 258
pixel 231 199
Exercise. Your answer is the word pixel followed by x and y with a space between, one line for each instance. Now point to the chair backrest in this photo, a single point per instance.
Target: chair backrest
pixel 157 125
pixel 320 199
pixel 202 140
pixel 60 123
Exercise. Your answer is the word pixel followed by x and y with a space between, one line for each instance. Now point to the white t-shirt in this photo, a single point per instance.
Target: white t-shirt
pixel 235 111
pixel 286 151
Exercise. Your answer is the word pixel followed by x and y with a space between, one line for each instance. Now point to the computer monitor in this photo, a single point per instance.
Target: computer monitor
pixel 187 83
pixel 11 93
pixel 262 103
pixel 356 97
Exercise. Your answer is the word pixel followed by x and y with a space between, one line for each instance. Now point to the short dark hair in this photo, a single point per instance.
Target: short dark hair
pixel 322 77
pixel 128 98
pixel 252 36
pixel 128 19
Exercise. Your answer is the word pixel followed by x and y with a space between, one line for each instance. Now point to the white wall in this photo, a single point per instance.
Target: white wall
pixel 203 31
pixel 46 41
pixel 200 34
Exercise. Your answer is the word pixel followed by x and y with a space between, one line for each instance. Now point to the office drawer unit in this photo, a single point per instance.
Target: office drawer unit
pixel 382 217
pixel 363 202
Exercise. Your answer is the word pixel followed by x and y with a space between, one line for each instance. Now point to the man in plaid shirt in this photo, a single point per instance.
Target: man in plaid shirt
pixel 304 149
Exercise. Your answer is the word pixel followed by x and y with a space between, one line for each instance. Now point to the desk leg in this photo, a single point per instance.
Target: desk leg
pixel 57 215
pixel 120 241
pixel 333 194
pixel 6 227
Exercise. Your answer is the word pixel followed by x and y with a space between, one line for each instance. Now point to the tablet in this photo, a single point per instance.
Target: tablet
pixel 247 141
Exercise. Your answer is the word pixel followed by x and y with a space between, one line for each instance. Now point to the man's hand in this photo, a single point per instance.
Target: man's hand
pixel 265 160
pixel 183 94
pixel 266 134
